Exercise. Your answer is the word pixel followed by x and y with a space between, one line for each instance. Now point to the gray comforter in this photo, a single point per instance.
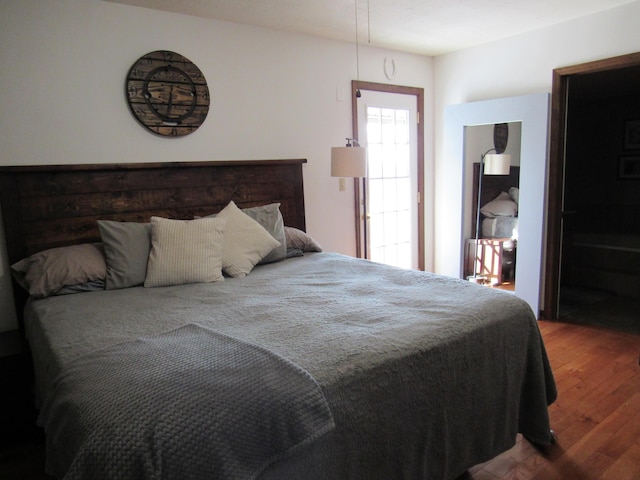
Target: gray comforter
pixel 188 403
pixel 424 375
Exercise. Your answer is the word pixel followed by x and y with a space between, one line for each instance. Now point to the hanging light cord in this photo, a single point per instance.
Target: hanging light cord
pixel 368 35
pixel 368 22
pixel 357 45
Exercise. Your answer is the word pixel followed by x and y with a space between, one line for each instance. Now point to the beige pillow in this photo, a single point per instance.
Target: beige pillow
pixel 185 251
pixel 246 242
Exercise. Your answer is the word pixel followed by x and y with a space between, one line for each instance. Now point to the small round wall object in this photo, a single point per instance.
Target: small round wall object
pixel 167 93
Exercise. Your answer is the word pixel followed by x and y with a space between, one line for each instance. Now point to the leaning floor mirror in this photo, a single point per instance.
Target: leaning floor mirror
pixel 516 128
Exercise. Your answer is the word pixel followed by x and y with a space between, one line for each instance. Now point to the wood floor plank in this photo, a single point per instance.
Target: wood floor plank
pixel 632 406
pixel 627 467
pixel 626 435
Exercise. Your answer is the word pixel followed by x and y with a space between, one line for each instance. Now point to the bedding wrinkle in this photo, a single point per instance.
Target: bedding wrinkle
pixel 150 399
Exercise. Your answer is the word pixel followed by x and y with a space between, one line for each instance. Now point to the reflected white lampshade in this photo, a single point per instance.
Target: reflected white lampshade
pixel 348 162
pixel 497 164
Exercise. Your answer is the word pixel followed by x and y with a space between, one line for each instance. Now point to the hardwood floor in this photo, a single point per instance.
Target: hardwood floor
pixel 596 416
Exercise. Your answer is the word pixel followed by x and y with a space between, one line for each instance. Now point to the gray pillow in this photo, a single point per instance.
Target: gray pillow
pixel 47 272
pixel 93 286
pixel 270 217
pixel 126 248
pixel 297 239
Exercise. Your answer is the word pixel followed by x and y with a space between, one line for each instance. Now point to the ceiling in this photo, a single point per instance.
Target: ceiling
pixel 427 27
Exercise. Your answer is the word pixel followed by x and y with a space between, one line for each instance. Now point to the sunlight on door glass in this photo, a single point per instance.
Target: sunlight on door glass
pixel 389 186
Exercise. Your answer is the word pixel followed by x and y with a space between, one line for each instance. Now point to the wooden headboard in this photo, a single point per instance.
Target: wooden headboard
pixel 492 186
pixel 57 205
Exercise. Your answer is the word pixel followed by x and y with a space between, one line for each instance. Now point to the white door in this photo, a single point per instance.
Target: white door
pixel 387 123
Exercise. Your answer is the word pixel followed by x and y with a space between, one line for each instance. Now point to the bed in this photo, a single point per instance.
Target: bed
pixel 311 365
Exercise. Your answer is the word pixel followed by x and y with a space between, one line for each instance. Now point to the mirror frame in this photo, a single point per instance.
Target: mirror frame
pixel 533 112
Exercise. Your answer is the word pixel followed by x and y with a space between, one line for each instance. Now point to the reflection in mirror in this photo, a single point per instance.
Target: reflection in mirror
pixel 531 113
pixel 491 259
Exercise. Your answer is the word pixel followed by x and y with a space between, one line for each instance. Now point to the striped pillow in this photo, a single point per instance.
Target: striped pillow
pixel 185 251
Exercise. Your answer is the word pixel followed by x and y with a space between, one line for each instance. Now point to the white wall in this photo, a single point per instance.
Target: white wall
pixel 518 66
pixel 274 95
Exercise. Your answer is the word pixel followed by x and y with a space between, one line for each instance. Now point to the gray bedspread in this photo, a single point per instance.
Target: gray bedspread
pixel 189 403
pixel 424 375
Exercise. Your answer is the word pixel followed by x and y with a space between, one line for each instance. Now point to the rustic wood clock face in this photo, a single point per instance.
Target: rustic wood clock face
pixel 167 93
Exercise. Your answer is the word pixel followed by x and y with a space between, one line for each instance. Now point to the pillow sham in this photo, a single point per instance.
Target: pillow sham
pixel 126 248
pixel 246 242
pixel 501 206
pixel 185 251
pixel 270 217
pixel 297 239
pixel 45 273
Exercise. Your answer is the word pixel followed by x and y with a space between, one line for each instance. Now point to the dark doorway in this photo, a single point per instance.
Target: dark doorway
pixel 593 242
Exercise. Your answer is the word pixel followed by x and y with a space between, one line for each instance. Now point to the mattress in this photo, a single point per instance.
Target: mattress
pixel 424 375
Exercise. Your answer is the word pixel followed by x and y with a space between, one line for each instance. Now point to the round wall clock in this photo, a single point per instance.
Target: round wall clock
pixel 167 93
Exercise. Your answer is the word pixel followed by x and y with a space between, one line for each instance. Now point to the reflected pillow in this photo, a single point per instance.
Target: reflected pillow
pixel 514 193
pixel 185 251
pixel 501 206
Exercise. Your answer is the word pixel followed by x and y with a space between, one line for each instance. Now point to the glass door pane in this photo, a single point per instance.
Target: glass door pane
pixel 389 192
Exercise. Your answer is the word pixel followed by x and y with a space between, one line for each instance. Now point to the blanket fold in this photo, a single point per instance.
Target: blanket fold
pixel 188 403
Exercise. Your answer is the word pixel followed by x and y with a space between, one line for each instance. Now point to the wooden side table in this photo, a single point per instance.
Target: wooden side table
pixel 495 259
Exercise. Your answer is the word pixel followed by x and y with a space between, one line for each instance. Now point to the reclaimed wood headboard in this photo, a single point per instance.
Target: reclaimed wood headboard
pixel 56 205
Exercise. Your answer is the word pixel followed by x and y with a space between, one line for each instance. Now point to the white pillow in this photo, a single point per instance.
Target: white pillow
pixel 514 193
pixel 246 242
pixel 185 251
pixel 501 206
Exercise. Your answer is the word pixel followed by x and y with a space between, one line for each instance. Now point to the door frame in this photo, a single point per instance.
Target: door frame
pixel 359 185
pixel 557 146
